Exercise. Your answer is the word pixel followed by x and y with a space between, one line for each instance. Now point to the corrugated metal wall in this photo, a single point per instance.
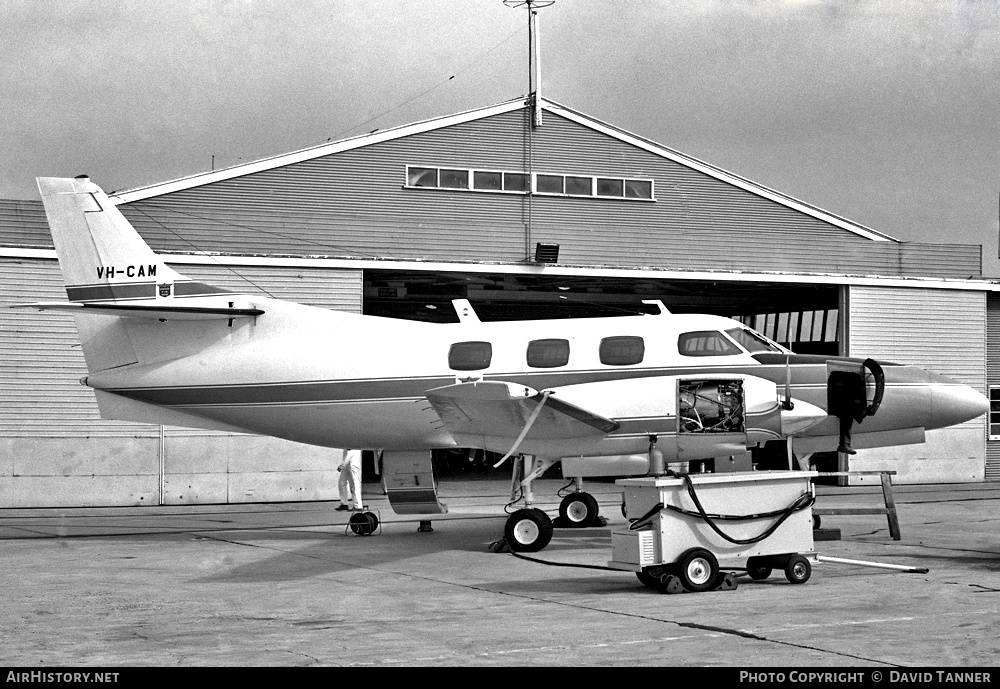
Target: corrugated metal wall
pixel 993 377
pixel 354 203
pixel 56 450
pixel 940 330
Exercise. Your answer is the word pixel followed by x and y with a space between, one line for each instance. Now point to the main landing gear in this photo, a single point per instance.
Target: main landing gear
pixel 529 529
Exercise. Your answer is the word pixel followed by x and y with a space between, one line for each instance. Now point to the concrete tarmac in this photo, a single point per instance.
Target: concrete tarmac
pixel 290 585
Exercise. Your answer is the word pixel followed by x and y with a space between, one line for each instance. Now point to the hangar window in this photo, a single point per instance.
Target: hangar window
pixel 622 351
pixel 490 181
pixel 705 343
pixel 515 181
pixel 638 189
pixel 470 356
pixel 454 179
pixel 548 353
pixel 579 186
pixel 610 187
pixel 995 412
pixel 549 184
pixel 422 176
pixel 525 183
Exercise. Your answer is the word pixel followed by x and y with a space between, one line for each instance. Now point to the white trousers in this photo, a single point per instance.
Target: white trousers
pixel 350 481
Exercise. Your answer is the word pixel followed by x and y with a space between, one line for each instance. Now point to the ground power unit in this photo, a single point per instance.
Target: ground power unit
pixel 686 530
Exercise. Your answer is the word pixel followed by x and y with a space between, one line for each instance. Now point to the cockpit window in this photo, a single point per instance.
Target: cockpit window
pixel 705 343
pixel 751 341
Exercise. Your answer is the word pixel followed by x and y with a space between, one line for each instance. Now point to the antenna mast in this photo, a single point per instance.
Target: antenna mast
pixel 534 56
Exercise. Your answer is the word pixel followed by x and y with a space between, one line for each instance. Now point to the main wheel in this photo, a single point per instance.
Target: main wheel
pixel 578 510
pixel 528 530
pixel 363 523
pixel 698 569
pixel 797 569
pixel 757 570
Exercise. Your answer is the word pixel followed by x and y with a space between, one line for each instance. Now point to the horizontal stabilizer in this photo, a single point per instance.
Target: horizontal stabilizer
pixel 499 409
pixel 158 312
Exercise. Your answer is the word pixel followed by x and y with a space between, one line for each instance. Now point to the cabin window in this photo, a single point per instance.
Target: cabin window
pixel 548 353
pixel 705 343
pixel 622 351
pixel 470 356
pixel 751 341
pixel 994 412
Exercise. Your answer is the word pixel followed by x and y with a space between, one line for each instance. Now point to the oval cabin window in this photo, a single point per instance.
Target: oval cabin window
pixel 548 353
pixel 470 356
pixel 622 351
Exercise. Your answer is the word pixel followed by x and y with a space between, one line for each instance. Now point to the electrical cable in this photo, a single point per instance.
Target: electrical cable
pixel 802 502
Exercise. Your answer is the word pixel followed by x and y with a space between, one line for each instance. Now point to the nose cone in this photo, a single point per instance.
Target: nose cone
pixel 954 403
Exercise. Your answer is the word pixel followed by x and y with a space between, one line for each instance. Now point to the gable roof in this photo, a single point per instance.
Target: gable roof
pixel 379 136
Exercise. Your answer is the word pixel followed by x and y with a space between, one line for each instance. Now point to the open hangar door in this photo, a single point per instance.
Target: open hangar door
pixel 803 317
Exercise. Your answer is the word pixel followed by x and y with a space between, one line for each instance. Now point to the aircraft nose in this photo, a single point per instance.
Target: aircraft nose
pixel 953 403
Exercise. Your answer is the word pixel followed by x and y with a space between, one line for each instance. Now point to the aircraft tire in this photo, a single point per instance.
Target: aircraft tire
pixel 797 569
pixel 698 570
pixel 528 530
pixel 578 510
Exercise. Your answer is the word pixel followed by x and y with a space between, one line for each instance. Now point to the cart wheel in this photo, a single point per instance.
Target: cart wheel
pixel 816 521
pixel 798 570
pixel 528 530
pixel 363 523
pixel 698 569
pixel 578 510
pixel 757 570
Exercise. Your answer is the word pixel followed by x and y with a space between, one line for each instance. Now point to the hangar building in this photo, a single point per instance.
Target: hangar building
pixel 573 218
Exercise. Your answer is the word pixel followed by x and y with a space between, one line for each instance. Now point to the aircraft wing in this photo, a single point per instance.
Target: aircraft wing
pixel 498 409
pixel 164 312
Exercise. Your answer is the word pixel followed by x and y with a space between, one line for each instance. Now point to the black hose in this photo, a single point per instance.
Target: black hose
pixel 802 502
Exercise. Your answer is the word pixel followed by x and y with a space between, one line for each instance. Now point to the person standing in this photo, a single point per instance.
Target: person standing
pixel 350 480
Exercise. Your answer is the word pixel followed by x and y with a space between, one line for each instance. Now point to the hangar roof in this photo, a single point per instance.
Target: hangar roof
pixel 379 136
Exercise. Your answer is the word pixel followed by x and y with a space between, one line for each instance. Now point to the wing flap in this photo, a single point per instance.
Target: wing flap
pixel 499 409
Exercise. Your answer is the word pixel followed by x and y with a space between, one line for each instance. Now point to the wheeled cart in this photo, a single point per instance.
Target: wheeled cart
pixel 686 528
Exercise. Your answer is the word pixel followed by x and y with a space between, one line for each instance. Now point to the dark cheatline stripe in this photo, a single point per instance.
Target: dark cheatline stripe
pixel 195 289
pixel 284 393
pixel 138 290
pixel 145 290
pixel 809 372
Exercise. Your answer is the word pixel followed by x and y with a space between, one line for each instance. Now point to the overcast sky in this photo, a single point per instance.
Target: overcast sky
pixel 886 112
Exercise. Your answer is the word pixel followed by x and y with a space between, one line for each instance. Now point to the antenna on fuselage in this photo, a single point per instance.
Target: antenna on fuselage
pixel 466 314
pixel 664 311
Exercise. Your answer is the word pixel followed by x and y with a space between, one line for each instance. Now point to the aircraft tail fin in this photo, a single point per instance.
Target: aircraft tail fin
pixel 101 255
pixel 114 279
